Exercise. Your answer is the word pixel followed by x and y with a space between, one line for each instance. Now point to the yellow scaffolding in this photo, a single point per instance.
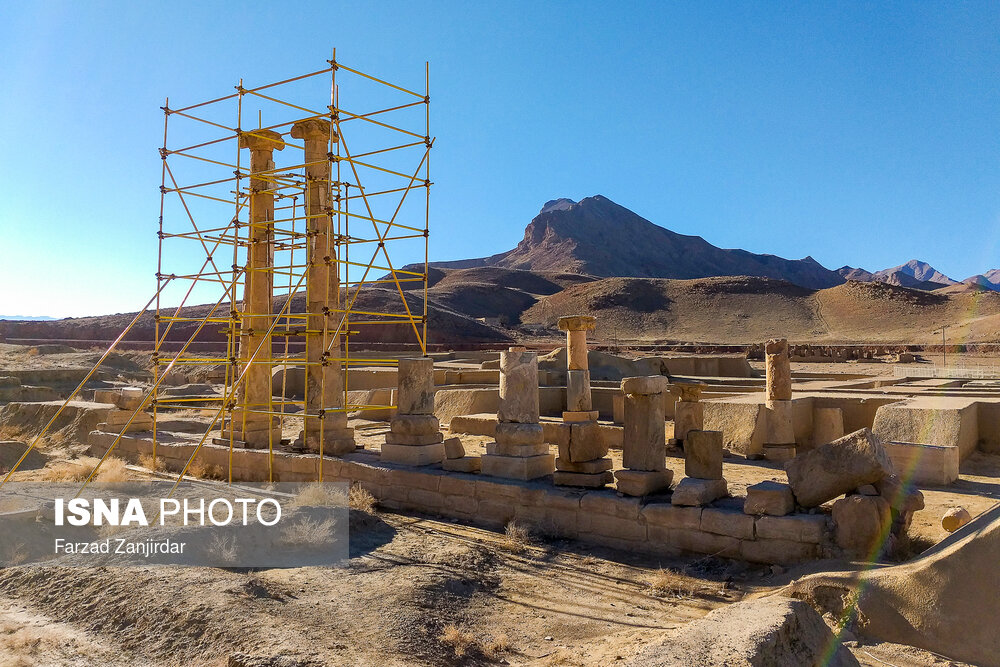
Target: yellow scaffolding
pixel 379 153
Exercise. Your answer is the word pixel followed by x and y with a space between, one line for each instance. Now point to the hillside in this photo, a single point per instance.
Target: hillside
pixel 600 238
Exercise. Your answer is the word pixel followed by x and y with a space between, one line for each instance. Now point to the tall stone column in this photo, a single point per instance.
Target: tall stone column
pixel 780 443
pixel 579 401
pixel 414 436
pixel 644 445
pixel 249 426
pixel 324 373
pixel 520 451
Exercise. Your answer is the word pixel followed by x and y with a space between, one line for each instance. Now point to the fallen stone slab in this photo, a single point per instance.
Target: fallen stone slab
pixel 694 492
pixel 770 498
pixel 774 630
pixel 837 468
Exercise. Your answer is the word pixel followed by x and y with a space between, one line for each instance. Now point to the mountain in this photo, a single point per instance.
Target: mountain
pixel 920 272
pixel 983 281
pixel 850 273
pixel 600 238
pixel 27 318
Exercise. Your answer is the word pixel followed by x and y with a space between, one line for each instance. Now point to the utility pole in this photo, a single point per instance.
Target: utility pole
pixel 944 347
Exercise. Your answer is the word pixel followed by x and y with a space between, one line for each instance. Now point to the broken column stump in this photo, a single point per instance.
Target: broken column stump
pixel 414 436
pixel 644 447
pixel 689 413
pixel 579 400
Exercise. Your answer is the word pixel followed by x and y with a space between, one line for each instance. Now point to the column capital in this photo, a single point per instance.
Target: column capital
pixel 313 129
pixel 577 323
pixel 261 140
pixel 687 391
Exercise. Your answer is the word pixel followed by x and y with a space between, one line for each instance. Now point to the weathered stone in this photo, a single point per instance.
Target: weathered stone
pixel 955 518
pixel 648 384
pixel 589 467
pixel 453 448
pixel 727 522
pixel 687 391
pixel 465 464
pixel 862 525
pixel 688 416
pixel 771 498
pixel 516 467
pixel 415 393
pixel 837 467
pixel 412 425
pixel 777 551
pixel 590 416
pixel 518 386
pixel 582 479
pixel 810 528
pixel 828 425
pixel 413 455
pixel 577 323
pixel 639 483
pixel 694 492
pixel 644 433
pixel 394 439
pixel 504 449
pixel 780 429
pixel 867 490
pixel 778 370
pixel 578 395
pixel 703 454
pixel 586 443
pixel 512 433
pixel 779 453
pixel 672 516
pixel 901 496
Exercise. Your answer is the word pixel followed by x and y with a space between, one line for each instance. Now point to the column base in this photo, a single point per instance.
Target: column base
pixel 336 442
pixel 413 455
pixel 643 482
pixel 464 464
pixel 696 492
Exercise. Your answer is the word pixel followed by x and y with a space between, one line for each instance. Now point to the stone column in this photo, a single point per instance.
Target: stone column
pixel 689 413
pixel 324 373
pixel 414 436
pixel 579 402
pixel 828 425
pixel 249 426
pixel 520 451
pixel 780 443
pixel 703 482
pixel 644 445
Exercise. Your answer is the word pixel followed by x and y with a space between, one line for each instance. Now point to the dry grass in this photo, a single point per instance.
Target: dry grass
pixel 13 554
pixel 309 533
pixel 112 471
pixel 496 646
pixel 361 500
pixel 320 495
pixel 667 583
pixel 199 470
pixel 459 640
pixel 517 538
pixel 150 463
pixel 224 548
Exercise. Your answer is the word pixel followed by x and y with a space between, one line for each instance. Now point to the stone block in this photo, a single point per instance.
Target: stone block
pixel 588 467
pixel 589 416
pixel 464 464
pixel 727 522
pixel 611 526
pixel 777 552
pixel 503 449
pixel 672 516
pixel 109 396
pixel 518 386
pixel 644 433
pixel 808 528
pixel 698 541
pixel 693 492
pixel 515 467
pixel 494 512
pixel 688 417
pixel 582 479
pixel 647 385
pixel 861 525
pixel 925 464
pixel 828 425
pixel 396 439
pixel 771 498
pixel 415 386
pixel 413 455
pixel 461 506
pixel 120 417
pixel 450 485
pixel 414 479
pixel 586 443
pixel 837 467
pixel 639 483
pixel 955 518
pixel 901 496
pixel 578 395
pixel 453 448
pixel 130 398
pixel 605 502
pixel 512 433
pixel 687 391
pixel 780 425
pixel 414 425
pixel 779 453
pixel 703 454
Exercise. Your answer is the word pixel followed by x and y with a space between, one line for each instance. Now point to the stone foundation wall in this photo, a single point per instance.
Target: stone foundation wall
pixel 594 517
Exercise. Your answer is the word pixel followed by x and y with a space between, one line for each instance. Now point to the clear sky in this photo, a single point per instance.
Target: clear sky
pixel 857 133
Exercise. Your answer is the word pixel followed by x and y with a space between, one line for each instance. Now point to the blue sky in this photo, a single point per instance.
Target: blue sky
pixel 859 134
